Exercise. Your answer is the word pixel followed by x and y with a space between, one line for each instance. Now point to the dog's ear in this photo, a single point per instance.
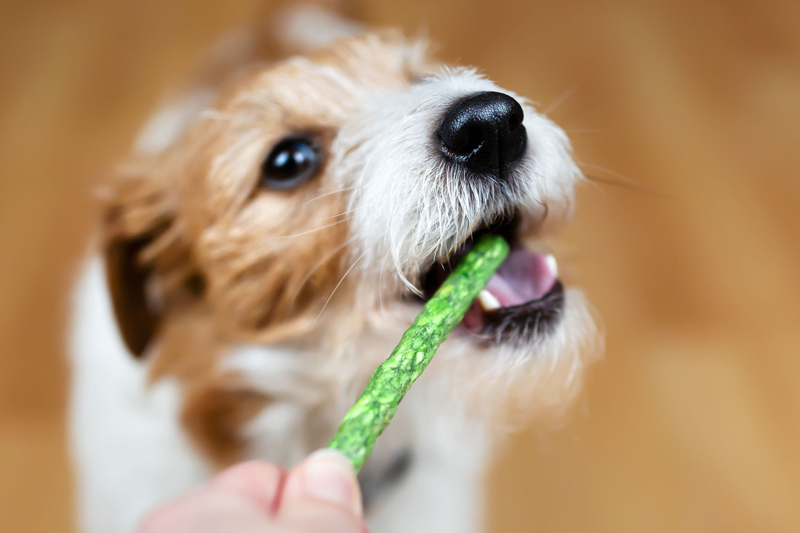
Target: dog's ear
pixel 306 27
pixel 136 313
pixel 144 255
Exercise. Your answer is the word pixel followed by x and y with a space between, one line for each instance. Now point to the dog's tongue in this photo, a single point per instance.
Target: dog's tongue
pixel 523 276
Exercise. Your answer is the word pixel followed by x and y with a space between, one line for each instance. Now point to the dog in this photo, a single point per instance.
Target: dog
pixel 274 231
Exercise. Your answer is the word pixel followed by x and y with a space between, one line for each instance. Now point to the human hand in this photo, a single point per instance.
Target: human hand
pixel 321 495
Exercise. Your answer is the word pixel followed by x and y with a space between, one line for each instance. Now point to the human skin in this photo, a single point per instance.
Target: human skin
pixel 321 495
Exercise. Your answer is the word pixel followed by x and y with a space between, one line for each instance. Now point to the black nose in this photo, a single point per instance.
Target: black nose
pixel 484 133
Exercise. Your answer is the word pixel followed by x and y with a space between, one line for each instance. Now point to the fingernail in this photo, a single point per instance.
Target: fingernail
pixel 329 476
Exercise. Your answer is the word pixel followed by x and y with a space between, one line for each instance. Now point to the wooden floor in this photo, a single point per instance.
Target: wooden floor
pixel 692 423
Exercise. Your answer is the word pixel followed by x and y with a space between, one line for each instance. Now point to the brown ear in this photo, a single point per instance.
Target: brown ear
pixel 127 278
pixel 141 249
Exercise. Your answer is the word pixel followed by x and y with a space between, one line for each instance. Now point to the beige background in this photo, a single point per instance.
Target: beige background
pixel 690 424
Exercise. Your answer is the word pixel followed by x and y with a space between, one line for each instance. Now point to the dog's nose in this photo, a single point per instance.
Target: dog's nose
pixel 484 133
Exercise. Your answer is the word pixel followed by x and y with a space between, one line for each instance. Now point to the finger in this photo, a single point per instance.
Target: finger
pixel 322 494
pixel 325 476
pixel 257 481
pixel 208 511
pixel 316 517
pixel 239 499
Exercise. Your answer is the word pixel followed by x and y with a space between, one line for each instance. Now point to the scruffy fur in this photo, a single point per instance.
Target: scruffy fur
pixel 260 314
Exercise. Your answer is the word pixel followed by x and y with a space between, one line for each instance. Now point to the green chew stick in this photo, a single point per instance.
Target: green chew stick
pixel 373 411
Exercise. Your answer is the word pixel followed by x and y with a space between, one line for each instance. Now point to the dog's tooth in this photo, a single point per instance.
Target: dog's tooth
pixel 552 264
pixel 488 301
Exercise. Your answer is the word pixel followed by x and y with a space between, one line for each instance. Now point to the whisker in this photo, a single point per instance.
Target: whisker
pixel 586 130
pixel 607 171
pixel 319 264
pixel 545 213
pixel 380 283
pixel 309 231
pixel 595 184
pixel 343 213
pixel 329 194
pixel 566 95
pixel 630 185
pixel 627 186
pixel 337 286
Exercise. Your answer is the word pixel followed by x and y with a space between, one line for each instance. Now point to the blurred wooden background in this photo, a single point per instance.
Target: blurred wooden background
pixel 692 423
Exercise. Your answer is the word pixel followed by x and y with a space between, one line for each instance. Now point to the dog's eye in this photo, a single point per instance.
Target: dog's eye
pixel 291 162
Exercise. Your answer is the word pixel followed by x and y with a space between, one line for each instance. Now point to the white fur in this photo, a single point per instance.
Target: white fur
pixel 131 453
pixel 166 125
pixel 129 450
pixel 407 208
pixel 449 450
pixel 279 432
pixel 409 205
pixel 308 27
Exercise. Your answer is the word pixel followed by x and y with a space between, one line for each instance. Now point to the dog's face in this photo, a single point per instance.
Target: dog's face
pixel 323 190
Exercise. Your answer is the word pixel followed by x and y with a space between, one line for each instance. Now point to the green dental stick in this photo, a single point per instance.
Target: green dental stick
pixel 373 411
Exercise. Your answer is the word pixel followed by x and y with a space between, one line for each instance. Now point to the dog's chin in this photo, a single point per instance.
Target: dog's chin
pixel 523 302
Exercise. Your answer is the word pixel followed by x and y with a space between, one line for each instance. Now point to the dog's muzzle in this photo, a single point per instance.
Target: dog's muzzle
pixel 484 134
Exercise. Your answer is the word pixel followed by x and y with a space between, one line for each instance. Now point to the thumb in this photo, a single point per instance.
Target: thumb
pixel 322 494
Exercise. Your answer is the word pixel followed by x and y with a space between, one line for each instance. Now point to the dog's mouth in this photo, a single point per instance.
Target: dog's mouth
pixel 522 302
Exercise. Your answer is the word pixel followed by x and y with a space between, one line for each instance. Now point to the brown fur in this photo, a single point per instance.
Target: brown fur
pixel 214 413
pixel 226 260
